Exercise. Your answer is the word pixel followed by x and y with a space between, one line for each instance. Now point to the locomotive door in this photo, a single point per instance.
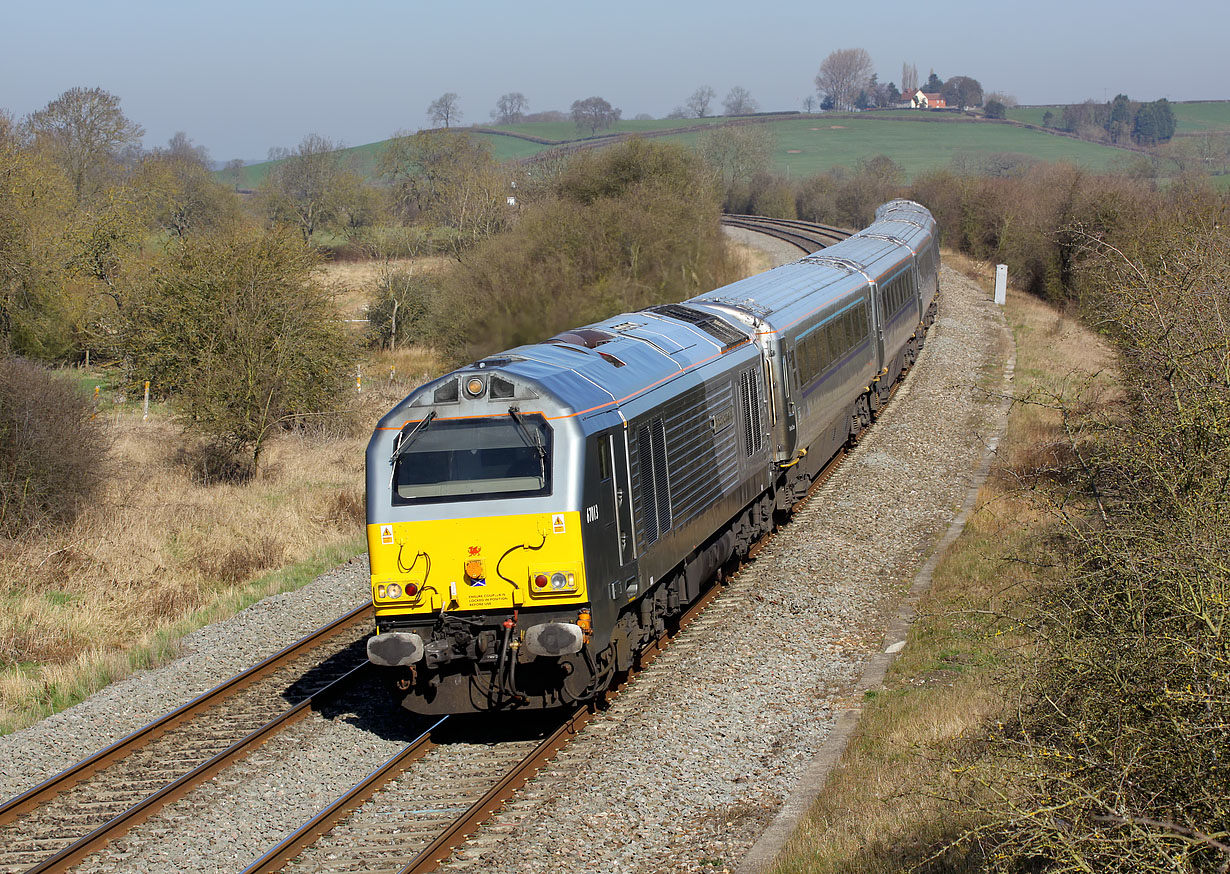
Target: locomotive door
pixel 621 494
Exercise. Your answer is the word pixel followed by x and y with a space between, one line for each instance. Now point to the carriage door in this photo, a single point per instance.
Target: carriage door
pixel 788 392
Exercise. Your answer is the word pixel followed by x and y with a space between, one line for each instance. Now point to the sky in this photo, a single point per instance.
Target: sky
pixel 242 77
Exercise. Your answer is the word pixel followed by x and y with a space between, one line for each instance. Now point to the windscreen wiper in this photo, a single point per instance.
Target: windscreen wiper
pixel 407 439
pixel 536 441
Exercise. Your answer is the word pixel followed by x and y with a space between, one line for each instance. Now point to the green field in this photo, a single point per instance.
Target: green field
pixel 364 159
pixel 1190 118
pixel 806 147
pixel 810 145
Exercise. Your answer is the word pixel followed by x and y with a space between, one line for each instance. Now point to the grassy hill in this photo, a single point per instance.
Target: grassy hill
pixel 806 145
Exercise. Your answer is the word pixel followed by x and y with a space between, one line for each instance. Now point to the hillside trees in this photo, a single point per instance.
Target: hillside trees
pixel 698 103
pixel 732 155
pixel 739 101
pixel 962 92
pixel 622 228
pixel 452 180
pixel 310 188
pixel 843 74
pixel 445 110
pixel 84 131
pixel 510 108
pixel 1153 123
pixel 594 113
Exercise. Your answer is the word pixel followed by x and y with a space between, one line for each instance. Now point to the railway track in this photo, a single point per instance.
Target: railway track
pixel 806 236
pixel 412 812
pixel 59 822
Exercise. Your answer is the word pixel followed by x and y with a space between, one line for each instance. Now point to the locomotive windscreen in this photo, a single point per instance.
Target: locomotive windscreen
pixel 474 459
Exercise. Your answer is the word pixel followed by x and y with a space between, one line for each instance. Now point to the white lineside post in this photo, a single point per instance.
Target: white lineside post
pixel 145 413
pixel 358 377
pixel 1001 284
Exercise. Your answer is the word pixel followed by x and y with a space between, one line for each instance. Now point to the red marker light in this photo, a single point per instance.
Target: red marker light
pixel 541 581
pixel 411 589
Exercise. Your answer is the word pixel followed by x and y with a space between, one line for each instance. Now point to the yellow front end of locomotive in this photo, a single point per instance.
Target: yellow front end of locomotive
pixel 486 563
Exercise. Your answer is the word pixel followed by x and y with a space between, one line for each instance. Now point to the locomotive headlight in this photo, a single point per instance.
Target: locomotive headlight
pixel 394 591
pixel 558 581
pixel 475 387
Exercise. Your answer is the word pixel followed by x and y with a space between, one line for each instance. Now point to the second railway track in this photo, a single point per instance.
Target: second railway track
pixel 808 237
pixel 59 822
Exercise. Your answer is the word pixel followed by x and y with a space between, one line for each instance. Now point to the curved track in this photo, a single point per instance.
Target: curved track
pixel 56 824
pixel 806 236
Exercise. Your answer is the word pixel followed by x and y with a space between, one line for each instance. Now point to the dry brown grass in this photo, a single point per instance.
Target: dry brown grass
pixel 888 803
pixel 162 553
pixel 353 281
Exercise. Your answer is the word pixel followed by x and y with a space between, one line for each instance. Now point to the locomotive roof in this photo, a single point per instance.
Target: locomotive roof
pixel 595 367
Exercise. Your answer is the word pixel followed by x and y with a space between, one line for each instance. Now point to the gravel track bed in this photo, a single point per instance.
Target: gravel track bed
pixel 779 251
pixel 211 655
pixel 232 820
pixel 687 768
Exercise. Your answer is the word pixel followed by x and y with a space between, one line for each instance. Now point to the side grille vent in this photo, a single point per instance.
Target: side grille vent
pixel 655 494
pixel 649 503
pixel 749 392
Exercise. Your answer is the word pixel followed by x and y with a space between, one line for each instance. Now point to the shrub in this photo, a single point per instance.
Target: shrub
pixel 53 455
pixel 235 331
pixel 627 227
pixel 1115 758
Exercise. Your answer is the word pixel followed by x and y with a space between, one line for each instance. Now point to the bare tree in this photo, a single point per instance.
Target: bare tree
pixel 234 171
pixel 739 102
pixel 909 79
pixel 733 154
pixel 699 102
pixel 811 103
pixel 308 187
pixel 84 131
pixel 510 108
pixel 843 74
pixel 1008 100
pixel 594 113
pixel 444 110
pixel 181 146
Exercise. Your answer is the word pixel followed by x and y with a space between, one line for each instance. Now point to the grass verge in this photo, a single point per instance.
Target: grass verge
pixel 890 800
pixel 33 692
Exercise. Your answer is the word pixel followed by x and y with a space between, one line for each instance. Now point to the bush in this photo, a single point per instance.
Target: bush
pixel 1115 759
pixel 53 455
pixel 399 308
pixel 235 331
pixel 627 227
